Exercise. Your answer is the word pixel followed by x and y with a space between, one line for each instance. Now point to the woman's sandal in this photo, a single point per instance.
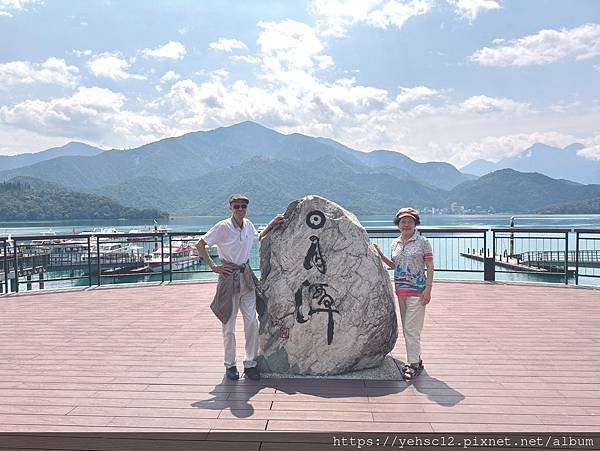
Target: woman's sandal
pixel 410 372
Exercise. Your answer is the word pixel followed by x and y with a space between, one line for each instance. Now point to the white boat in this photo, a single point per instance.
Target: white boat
pixel 73 246
pixel 192 240
pixel 107 249
pixel 47 240
pixel 106 231
pixel 181 257
pixel 69 252
pixel 100 231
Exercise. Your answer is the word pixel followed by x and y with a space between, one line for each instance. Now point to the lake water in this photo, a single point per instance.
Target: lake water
pixel 203 223
pixel 447 252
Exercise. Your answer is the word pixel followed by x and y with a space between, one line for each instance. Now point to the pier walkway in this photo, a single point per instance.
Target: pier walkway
pixel 499 357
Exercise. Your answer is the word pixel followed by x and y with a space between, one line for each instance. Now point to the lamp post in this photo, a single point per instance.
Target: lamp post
pixel 512 237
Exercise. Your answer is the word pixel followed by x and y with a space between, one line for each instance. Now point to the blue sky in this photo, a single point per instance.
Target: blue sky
pixel 444 80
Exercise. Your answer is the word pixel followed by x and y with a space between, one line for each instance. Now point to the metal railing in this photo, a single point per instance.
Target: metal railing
pixel 587 254
pixel 542 254
pixel 449 245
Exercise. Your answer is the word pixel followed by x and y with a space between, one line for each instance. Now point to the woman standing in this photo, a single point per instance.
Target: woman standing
pixel 412 261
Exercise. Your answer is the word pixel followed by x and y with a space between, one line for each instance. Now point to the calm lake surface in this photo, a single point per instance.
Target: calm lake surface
pixel 203 223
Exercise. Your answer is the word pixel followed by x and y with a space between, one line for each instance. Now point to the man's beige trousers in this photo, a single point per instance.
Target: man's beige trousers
pixel 246 302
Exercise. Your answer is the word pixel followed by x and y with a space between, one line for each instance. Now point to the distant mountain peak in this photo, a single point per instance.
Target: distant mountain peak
pixel 539 146
pixel 70 149
pixel 565 163
pixel 75 143
pixel 245 125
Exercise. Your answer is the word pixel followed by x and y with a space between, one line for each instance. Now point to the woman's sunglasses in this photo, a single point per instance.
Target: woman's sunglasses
pixel 238 206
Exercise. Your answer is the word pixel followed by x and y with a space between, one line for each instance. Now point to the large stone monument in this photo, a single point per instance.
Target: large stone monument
pixel 330 305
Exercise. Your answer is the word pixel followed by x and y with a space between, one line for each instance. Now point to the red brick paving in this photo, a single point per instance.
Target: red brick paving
pixel 498 357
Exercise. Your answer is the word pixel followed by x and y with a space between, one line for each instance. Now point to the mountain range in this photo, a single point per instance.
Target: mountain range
pixel 554 162
pixel 27 159
pixel 195 173
pixel 198 153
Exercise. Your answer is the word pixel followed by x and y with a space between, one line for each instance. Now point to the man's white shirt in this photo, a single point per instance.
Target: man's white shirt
pixel 234 243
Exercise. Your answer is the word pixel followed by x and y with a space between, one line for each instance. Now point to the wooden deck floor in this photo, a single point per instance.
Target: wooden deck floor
pixel 498 358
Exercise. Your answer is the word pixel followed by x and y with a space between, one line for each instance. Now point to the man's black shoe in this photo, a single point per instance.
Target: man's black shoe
pixel 252 373
pixel 232 373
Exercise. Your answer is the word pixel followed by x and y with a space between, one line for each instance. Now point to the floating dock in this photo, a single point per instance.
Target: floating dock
pixel 544 262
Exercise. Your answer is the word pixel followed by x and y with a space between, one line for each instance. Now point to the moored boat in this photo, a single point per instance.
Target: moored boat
pixel 180 257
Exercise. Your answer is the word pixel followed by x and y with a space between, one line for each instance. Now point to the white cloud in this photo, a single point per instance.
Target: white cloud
pixel 94 114
pixel 173 50
pixel 52 71
pixel 544 47
pixel 113 66
pixel 592 152
pixel 81 53
pixel 470 9
pixel 170 76
pixel 290 50
pixel 7 7
pixel 246 59
pixel 66 115
pixel 592 149
pixel 485 105
pixel 17 140
pixel 219 74
pixel 336 16
pixel 408 95
pixel 192 105
pixel 227 45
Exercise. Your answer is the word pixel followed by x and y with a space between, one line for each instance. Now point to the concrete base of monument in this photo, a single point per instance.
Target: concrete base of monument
pixel 389 370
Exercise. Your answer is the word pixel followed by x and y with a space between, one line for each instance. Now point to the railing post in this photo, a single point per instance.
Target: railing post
pixel 5 250
pixel 89 252
pixel 576 257
pixel 566 258
pixel 489 264
pixel 98 258
pixel 162 257
pixel 170 259
pixel 16 267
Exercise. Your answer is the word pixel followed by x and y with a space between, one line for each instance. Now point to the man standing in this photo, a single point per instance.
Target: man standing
pixel 234 238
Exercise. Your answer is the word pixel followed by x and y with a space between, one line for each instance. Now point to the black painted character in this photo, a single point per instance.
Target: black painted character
pixel 318 293
pixel 298 301
pixel 314 256
pixel 315 219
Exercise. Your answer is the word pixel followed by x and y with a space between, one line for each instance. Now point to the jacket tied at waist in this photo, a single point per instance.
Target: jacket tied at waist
pixel 229 285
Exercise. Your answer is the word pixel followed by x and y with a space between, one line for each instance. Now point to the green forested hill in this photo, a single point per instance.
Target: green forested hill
pixel 508 190
pixel 272 184
pixel 589 207
pixel 19 201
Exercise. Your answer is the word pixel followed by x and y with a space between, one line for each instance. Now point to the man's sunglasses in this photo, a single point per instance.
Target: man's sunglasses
pixel 238 206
